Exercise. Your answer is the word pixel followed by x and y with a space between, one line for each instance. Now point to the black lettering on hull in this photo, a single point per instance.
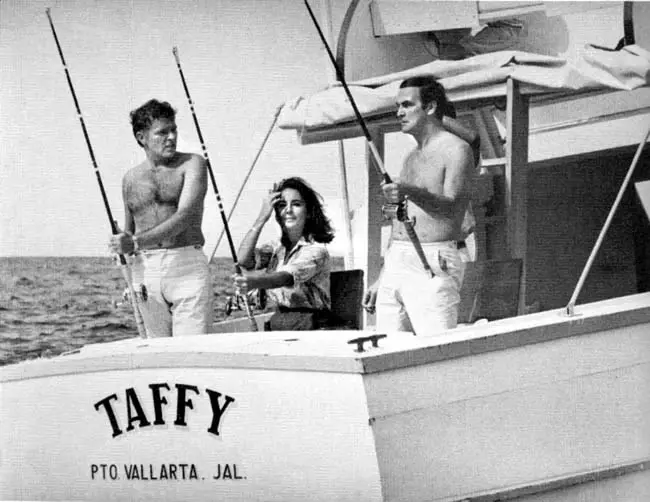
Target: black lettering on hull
pixel 151 472
pixel 226 472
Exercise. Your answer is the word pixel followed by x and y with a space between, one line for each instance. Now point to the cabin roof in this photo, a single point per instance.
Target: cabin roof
pixel 470 84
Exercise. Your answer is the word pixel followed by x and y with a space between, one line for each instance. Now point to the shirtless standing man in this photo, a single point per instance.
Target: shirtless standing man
pixel 163 206
pixel 437 179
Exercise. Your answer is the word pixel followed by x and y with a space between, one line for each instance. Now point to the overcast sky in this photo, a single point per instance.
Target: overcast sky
pixel 241 59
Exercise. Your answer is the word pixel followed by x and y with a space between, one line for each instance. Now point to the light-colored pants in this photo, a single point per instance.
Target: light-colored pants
pixel 177 296
pixel 408 299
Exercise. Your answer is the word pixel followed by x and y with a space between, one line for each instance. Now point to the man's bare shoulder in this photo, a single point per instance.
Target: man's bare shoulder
pixel 451 146
pixel 190 161
pixel 135 172
pixel 449 140
pixel 411 155
pixel 184 157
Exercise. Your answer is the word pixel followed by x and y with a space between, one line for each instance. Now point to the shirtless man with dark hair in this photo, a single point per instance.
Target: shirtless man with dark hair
pixel 437 178
pixel 163 206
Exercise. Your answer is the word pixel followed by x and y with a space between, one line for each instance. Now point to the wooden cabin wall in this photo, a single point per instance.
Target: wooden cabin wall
pixel 568 204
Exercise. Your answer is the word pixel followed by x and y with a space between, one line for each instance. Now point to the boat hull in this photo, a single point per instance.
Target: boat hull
pixel 541 407
pixel 63 446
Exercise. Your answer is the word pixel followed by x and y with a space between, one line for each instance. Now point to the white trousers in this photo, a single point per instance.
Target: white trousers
pixel 177 294
pixel 408 299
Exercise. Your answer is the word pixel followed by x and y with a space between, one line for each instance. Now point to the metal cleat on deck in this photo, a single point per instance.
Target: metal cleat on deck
pixel 362 339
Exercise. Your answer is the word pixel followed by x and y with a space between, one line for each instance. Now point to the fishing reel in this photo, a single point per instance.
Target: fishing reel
pixel 141 295
pixel 256 299
pixel 397 211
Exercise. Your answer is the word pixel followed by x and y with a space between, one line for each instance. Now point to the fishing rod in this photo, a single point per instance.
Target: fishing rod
pixel 224 218
pixel 386 179
pixel 126 272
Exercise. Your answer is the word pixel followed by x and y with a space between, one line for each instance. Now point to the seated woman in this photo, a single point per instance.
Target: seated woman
pixel 297 275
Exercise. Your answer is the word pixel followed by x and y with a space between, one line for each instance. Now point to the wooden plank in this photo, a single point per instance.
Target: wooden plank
pixel 397 17
pixel 517 117
pixel 375 219
pixel 488 17
pixel 485 7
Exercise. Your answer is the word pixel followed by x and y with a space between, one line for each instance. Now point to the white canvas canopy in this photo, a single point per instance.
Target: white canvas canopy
pixel 476 78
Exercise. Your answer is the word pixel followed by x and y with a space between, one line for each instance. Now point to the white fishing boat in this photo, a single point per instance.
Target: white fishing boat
pixel 551 405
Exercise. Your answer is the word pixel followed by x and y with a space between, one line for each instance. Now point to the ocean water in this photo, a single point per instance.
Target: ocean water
pixel 56 304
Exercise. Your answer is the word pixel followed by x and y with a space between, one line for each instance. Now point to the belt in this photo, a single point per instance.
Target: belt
pixel 153 250
pixel 459 244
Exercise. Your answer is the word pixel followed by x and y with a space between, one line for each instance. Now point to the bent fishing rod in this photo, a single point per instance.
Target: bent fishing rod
pixel 379 164
pixel 126 272
pixel 224 218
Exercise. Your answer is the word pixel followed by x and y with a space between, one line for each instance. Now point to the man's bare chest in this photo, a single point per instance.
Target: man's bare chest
pixel 155 188
pixel 423 170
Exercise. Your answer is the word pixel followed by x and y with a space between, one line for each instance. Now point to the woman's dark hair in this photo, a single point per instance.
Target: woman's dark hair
pixel 431 91
pixel 145 115
pixel 317 225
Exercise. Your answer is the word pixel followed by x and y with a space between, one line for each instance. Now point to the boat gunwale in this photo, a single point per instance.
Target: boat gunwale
pixel 559 482
pixel 245 354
